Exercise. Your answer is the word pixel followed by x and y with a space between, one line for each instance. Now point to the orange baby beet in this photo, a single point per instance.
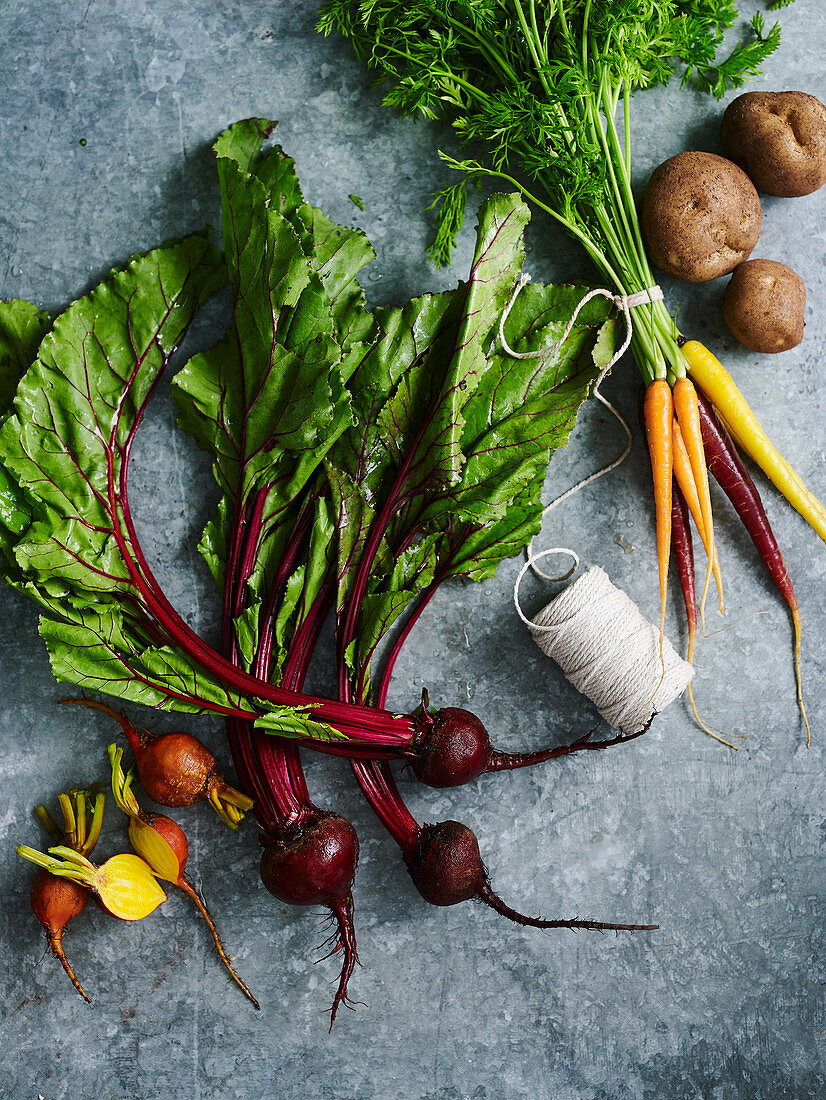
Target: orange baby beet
pixel 176 769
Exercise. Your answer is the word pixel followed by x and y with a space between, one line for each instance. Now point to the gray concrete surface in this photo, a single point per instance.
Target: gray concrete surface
pixel 107 111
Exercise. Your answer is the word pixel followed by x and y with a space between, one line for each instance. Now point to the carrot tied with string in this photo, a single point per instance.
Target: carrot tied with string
pixel 730 472
pixel 687 415
pixel 684 558
pixel 726 420
pixel 658 414
pixel 684 477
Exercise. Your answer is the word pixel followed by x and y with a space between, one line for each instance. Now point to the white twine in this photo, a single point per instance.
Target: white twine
pixel 607 649
pixel 624 302
pixel 597 635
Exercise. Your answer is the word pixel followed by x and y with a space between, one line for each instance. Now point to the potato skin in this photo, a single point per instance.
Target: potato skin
pixel 701 216
pixel 764 306
pixel 779 140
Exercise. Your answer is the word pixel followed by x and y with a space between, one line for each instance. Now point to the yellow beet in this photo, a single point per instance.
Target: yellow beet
pixel 127 888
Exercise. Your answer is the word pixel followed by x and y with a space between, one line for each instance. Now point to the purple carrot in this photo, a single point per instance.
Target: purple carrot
pixel 683 548
pixel 731 475
pixel 684 556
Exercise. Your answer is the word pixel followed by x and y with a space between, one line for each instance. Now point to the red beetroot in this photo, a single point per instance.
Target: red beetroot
pixel 55 902
pixel 313 862
pixel 446 867
pixel 444 859
pixel 455 749
pixel 452 747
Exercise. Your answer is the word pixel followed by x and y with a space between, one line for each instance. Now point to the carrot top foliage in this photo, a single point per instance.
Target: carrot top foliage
pixel 535 82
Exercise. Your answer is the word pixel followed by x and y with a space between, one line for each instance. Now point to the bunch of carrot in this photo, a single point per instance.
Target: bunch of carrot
pixel 694 419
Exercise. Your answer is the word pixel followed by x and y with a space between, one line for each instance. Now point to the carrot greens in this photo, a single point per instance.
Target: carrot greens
pixel 543 93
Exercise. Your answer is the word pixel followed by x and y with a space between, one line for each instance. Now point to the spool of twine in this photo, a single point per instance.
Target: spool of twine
pixel 609 651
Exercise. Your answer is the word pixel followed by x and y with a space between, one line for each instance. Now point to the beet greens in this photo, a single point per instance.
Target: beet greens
pixel 429 441
pixel 363 459
pixel 268 404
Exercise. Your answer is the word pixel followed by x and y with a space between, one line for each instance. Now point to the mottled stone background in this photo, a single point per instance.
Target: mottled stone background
pixel 108 110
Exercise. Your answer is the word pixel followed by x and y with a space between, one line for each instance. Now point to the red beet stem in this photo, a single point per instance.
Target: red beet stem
pixel 379 788
pixel 387 672
pixel 367 727
pixel 275 764
pixel 279 758
pixel 243 741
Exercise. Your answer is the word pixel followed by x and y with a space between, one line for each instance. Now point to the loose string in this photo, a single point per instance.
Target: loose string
pixel 623 302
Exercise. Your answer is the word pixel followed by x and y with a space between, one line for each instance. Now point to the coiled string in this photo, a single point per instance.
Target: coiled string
pixel 597 635
pixel 607 648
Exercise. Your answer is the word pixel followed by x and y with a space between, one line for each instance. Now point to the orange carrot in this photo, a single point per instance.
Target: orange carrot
pixel 658 412
pixel 684 476
pixel 688 417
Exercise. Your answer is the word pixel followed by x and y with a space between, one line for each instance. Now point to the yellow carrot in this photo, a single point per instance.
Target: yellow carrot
pixel 718 386
pixel 688 417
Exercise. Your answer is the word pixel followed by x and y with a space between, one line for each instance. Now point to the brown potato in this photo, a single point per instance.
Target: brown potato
pixel 764 306
pixel 700 216
pixel 779 140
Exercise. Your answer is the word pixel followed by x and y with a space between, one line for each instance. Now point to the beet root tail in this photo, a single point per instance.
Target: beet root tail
pixel 486 895
pixel 190 891
pixel 131 734
pixel 55 941
pixel 344 938
pixel 508 761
